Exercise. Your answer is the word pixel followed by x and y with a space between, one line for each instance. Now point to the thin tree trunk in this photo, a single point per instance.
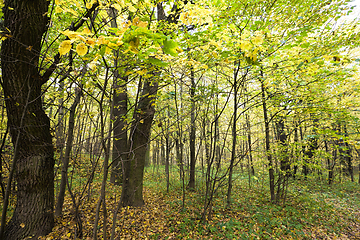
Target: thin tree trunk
pixel 267 144
pixel 192 133
pixel 1 161
pixel 168 149
pixel 233 148
pixel 66 159
pixel 106 147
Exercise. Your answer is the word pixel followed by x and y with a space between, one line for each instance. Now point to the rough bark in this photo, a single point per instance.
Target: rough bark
pixel 119 132
pixel 132 194
pixel 120 100
pixel 34 162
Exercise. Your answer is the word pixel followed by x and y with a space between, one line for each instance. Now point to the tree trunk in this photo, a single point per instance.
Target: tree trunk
pixel 132 188
pixel 119 132
pixel 267 144
pixel 284 160
pixel 66 159
pixel 233 149
pixel 192 133
pixel 347 155
pixel 34 163
pixel 120 100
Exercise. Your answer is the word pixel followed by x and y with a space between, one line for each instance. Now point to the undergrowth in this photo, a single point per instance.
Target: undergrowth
pixel 312 210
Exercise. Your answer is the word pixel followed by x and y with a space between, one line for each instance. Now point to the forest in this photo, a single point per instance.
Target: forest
pixel 209 119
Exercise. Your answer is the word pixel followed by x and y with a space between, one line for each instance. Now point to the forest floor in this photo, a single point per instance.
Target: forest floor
pixel 312 210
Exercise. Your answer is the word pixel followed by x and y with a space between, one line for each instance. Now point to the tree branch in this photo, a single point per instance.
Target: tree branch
pixel 74 27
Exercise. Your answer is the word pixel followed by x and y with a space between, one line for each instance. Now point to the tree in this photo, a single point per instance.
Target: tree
pixel 33 162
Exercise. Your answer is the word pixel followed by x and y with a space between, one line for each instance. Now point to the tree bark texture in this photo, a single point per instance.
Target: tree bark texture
pixel 132 188
pixel 120 108
pixel 27 22
pixel 119 132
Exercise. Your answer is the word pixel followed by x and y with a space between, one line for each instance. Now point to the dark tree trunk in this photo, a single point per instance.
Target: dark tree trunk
pixel 132 188
pixel 192 133
pixel 28 123
pixel 312 146
pixel 284 161
pixel 233 133
pixel 120 100
pixel 295 151
pixel 119 132
pixel 347 155
pixel 330 164
pixel 267 144
pixel 248 128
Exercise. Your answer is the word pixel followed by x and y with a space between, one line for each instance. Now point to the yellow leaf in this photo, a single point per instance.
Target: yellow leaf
pixel 92 65
pixel 108 50
pixel 90 41
pixel 86 31
pixel 81 49
pixel 117 7
pixel 72 11
pixel 119 42
pixel 101 40
pixel 58 9
pixel 70 34
pixel 22 225
pixel 64 47
pixel 245 45
pixel 89 5
pixel 131 8
pixel 136 21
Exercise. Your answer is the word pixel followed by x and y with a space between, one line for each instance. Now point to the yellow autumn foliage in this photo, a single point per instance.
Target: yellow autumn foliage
pixel 64 47
pixel 81 49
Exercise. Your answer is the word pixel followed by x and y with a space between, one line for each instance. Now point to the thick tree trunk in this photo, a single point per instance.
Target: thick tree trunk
pixel 119 132
pixel 132 188
pixel 120 100
pixel 34 162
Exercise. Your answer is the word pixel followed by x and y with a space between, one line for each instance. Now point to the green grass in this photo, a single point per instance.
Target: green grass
pixel 312 210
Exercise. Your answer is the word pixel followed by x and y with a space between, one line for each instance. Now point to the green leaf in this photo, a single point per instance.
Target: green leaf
pixel 157 62
pixel 170 47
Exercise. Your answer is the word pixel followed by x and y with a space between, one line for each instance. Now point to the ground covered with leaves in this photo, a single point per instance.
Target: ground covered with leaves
pixel 311 211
